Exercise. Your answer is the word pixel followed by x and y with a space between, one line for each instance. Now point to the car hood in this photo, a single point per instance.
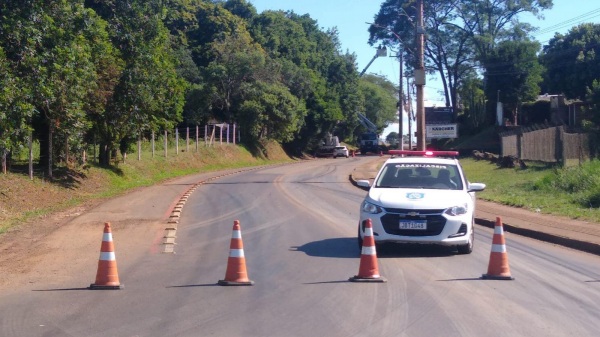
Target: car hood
pixel 418 198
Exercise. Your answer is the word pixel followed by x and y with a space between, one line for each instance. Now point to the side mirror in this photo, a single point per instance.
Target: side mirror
pixel 363 183
pixel 476 187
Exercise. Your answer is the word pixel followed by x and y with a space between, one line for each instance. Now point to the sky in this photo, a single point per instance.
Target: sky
pixel 351 17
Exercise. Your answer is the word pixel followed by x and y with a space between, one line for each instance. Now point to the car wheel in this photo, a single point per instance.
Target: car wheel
pixel 467 248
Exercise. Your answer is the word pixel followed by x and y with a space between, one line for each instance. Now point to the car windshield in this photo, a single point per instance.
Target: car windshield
pixel 420 175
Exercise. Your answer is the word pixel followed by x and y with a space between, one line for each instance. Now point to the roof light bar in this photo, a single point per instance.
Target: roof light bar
pixel 424 153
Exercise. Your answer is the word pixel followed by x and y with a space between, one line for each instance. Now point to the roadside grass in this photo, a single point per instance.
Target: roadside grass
pixel 23 200
pixel 573 192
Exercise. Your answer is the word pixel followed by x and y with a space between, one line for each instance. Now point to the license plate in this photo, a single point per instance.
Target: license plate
pixel 414 224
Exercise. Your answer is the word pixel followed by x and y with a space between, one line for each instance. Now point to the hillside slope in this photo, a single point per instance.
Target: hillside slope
pixel 24 201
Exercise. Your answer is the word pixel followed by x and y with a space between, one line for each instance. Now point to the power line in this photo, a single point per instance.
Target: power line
pixel 580 18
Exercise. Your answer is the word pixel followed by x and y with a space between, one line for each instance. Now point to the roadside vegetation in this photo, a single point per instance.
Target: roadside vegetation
pixel 81 74
pixel 23 200
pixel 570 191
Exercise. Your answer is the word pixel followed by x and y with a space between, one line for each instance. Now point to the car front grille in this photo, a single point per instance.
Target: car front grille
pixel 434 218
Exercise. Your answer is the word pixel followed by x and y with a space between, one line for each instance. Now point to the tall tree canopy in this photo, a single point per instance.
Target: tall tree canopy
pixel 572 62
pixel 105 72
pixel 514 74
pixel 461 35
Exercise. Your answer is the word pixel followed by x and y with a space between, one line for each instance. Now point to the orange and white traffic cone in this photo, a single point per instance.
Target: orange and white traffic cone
pixel 236 274
pixel 107 276
pixel 498 268
pixel 368 270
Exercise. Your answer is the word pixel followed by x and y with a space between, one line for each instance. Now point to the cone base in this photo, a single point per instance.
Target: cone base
pixel 496 277
pixel 105 287
pixel 233 283
pixel 367 279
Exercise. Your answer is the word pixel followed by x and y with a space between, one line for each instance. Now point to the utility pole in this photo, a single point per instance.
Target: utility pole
pixel 408 113
pixel 400 103
pixel 420 79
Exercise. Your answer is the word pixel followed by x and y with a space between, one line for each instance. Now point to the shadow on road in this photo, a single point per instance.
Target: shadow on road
pixel 394 250
pixel 336 247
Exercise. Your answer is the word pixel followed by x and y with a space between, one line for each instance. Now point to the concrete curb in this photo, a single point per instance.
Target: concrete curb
pixel 583 246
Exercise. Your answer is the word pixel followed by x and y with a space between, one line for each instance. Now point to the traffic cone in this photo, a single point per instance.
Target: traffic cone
pixel 236 274
pixel 107 276
pixel 498 268
pixel 368 270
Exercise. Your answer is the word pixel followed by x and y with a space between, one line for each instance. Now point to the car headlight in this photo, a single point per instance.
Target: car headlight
pixel 457 210
pixel 371 208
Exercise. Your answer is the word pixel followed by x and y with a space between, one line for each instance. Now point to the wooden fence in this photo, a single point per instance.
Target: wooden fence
pixel 165 143
pixel 549 144
pixel 186 139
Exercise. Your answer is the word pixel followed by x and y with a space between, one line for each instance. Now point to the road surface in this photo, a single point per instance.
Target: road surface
pixel 299 225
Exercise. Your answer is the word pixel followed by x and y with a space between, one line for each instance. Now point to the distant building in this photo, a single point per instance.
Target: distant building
pixel 563 111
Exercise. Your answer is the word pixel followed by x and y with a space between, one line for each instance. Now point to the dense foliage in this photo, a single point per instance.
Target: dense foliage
pixel 75 73
pixel 81 72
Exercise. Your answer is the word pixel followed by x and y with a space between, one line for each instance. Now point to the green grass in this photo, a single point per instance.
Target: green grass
pixel 572 192
pixel 101 183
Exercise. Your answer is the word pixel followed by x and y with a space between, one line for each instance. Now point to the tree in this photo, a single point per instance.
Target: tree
pixel 514 70
pixel 392 138
pixel 447 49
pixel 491 21
pixel 314 70
pixel 380 97
pixel 241 8
pixel 14 111
pixel 270 111
pixel 460 34
pixel 571 61
pixel 53 58
pixel 472 116
pixel 237 60
pixel 149 94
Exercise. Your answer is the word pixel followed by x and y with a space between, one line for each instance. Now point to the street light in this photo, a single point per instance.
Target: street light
pixel 420 79
pixel 400 93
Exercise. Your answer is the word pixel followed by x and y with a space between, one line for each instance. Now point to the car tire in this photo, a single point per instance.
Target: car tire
pixel 467 248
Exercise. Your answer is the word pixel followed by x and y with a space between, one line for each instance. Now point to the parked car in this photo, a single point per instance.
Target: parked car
pixel 421 197
pixel 340 151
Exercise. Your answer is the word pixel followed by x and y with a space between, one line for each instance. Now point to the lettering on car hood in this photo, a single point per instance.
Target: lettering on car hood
pixel 409 198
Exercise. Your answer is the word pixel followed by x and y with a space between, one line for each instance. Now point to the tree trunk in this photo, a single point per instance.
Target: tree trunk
pixel 103 154
pixel 4 170
pixel 50 133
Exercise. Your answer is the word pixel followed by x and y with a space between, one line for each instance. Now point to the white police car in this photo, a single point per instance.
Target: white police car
pixel 421 197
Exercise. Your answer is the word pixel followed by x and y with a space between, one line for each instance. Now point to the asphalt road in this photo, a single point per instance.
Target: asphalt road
pixel 299 232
